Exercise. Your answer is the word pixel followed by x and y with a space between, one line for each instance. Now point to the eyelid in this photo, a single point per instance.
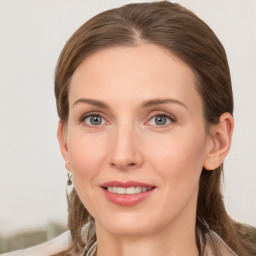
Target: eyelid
pixel 92 113
pixel 171 117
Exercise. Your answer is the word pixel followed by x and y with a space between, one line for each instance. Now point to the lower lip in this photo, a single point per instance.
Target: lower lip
pixel 127 200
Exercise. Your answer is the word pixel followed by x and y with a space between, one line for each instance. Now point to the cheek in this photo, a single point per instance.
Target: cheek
pixel 87 154
pixel 179 159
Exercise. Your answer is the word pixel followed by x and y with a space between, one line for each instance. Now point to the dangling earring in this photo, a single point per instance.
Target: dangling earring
pixel 69 182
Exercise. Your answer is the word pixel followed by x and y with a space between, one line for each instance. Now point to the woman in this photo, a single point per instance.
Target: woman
pixel 145 104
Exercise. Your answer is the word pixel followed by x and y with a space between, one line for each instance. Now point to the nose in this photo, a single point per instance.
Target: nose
pixel 126 150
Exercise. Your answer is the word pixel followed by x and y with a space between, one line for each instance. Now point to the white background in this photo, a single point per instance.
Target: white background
pixel 32 172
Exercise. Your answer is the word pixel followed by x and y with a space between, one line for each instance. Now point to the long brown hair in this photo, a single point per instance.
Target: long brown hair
pixel 180 31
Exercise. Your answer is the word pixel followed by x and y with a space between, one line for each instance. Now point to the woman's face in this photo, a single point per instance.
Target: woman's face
pixel 136 139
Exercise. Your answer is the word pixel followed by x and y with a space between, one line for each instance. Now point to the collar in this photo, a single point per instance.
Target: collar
pixel 92 250
pixel 211 243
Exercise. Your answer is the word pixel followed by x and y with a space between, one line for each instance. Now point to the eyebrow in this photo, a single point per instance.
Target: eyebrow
pixel 155 102
pixel 145 104
pixel 96 103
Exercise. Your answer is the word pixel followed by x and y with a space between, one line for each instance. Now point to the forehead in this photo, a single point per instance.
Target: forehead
pixel 126 73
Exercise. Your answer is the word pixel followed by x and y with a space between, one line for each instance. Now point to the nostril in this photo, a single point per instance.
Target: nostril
pixel 131 164
pixel 124 165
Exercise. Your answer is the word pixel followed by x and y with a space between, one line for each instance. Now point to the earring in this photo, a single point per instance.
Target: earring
pixel 69 182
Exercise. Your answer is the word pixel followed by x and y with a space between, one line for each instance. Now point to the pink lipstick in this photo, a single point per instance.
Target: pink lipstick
pixel 127 193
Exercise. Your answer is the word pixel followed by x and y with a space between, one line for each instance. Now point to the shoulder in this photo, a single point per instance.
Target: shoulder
pixel 247 234
pixel 215 245
pixel 54 246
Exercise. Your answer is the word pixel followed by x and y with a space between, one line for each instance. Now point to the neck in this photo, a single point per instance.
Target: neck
pixel 178 239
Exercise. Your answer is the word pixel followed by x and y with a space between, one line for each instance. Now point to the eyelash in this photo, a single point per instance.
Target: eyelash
pixel 96 114
pixel 171 118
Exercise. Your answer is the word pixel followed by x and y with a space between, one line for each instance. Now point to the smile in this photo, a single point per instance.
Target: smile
pixel 127 191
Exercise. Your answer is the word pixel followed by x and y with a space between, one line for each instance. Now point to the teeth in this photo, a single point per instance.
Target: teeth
pixel 139 189
pixel 144 189
pixel 121 190
pixel 130 191
pixel 127 191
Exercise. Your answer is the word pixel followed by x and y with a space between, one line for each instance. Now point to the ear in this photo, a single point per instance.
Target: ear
pixel 220 142
pixel 63 144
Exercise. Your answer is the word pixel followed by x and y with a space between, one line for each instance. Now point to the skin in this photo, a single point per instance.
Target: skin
pixel 130 145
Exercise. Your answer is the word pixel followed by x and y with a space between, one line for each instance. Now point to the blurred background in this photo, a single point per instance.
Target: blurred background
pixel 32 174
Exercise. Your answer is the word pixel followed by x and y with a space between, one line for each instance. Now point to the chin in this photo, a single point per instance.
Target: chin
pixel 129 230
pixel 129 224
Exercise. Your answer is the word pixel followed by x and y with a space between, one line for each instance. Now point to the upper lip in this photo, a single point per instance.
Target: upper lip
pixel 126 184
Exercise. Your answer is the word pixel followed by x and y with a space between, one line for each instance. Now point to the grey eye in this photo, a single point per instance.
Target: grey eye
pixel 159 120
pixel 94 120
